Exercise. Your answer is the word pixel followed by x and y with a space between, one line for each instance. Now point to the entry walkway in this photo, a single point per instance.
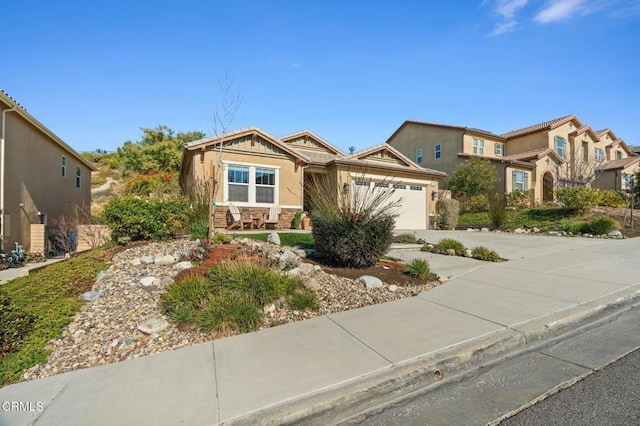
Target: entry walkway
pixel 290 372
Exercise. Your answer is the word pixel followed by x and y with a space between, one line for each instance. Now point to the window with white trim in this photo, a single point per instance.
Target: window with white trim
pixel 419 156
pixel 499 149
pixel 437 151
pixel 478 146
pixel 520 181
pixel 251 184
pixel 560 146
pixel 238 183
pixel 628 181
pixel 598 154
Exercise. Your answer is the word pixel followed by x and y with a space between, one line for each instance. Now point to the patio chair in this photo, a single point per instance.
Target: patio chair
pixel 273 219
pixel 236 219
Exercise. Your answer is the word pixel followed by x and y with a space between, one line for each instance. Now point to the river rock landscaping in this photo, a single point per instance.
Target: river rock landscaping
pixel 122 318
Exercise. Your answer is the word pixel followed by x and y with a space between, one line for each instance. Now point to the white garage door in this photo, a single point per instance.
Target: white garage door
pixel 413 209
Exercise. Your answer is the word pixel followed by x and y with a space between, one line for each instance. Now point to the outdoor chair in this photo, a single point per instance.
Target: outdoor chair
pixel 235 219
pixel 273 220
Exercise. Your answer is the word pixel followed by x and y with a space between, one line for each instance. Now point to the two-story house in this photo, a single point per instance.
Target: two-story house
pixel 618 162
pixel 537 158
pixel 41 177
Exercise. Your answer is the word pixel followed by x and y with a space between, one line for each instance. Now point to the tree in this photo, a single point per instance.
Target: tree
pixel 474 176
pixel 158 150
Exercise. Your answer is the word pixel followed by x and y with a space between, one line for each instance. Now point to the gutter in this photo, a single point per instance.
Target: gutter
pixel 2 172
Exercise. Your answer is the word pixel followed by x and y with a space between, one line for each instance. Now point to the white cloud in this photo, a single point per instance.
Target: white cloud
pixel 506 11
pixel 558 10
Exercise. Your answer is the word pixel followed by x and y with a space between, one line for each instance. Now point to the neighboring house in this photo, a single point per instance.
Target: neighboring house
pixel 537 158
pixel 42 178
pixel 256 171
pixel 618 174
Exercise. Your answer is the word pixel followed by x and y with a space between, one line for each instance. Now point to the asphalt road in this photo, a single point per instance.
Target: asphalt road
pixel 610 396
pixel 489 394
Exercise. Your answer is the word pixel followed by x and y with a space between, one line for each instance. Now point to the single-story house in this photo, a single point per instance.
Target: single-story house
pixel 41 177
pixel 256 171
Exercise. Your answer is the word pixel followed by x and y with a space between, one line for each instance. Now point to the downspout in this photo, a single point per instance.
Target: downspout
pixel 2 170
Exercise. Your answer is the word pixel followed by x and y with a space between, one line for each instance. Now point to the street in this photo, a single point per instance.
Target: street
pixel 495 391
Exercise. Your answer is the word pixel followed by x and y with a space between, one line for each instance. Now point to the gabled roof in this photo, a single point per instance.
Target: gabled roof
pixel 588 130
pixel 511 161
pixel 359 158
pixel 12 103
pixel 623 144
pixel 541 127
pixel 317 138
pixel 603 132
pixel 472 130
pixel 622 163
pixel 247 131
pixel 535 154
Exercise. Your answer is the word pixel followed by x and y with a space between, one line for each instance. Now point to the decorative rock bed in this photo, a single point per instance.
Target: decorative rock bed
pixel 124 320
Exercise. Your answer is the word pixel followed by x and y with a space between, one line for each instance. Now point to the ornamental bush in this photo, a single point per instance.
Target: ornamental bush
pixel 144 218
pixel 518 200
pixel 601 225
pixel 448 212
pixel 580 199
pixel 610 198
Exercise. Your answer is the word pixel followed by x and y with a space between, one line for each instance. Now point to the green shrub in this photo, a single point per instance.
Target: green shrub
pixel 611 198
pixel 405 239
pixel 144 218
pixel 497 210
pixel 518 200
pixel 227 313
pixel 485 254
pixel 15 325
pixel 478 203
pixel 352 228
pixel 449 243
pixel 580 199
pixel 220 238
pixel 448 211
pixel 419 268
pixel 297 219
pixel 601 225
pixel 186 294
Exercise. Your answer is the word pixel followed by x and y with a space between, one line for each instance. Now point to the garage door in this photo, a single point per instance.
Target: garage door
pixel 413 209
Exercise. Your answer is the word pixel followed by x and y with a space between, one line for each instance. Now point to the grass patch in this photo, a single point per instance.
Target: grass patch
pixel 290 239
pixel 51 296
pixel 419 268
pixel 232 296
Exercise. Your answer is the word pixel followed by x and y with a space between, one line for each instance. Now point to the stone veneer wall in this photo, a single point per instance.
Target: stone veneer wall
pixel 285 221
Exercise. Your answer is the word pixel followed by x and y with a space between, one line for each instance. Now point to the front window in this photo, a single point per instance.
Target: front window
pixel 618 155
pixel 520 181
pixel 419 156
pixel 499 149
pixel 560 146
pixel 437 151
pixel 238 183
pixel 64 166
pixel 585 152
pixel 478 146
pixel 251 184
pixel 628 182
pixel 78 177
pixel 265 185
pixel 599 154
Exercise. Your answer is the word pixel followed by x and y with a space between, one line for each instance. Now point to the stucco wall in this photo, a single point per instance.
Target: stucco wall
pixel 33 176
pixel 489 145
pixel 415 136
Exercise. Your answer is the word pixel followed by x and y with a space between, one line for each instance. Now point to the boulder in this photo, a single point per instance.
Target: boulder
pixel 311 283
pixel 370 282
pixel 317 268
pixel 306 268
pixel 615 234
pixel 484 230
pixel 153 325
pixel 166 259
pixel 310 252
pixel 166 280
pixel 147 281
pixel 519 231
pixel 300 253
pixel 293 272
pixel 451 252
pixel 181 266
pixel 393 288
pixel 288 255
pixel 103 275
pixel 467 253
pixel 90 296
pixel 273 238
pixel 135 262
pixel 146 260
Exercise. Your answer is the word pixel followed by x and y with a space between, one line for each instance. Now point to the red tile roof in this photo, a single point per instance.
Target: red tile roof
pixel 547 125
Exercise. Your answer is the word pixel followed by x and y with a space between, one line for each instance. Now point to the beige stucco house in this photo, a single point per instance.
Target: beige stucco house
pixel 537 158
pixel 256 171
pixel 42 178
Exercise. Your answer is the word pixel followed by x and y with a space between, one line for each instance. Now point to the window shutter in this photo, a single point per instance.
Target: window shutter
pixel 513 181
pixel 526 181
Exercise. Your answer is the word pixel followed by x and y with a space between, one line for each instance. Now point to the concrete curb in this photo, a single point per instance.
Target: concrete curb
pixel 349 398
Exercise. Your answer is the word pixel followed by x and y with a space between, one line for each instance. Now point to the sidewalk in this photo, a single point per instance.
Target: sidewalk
pixel 288 373
pixel 11 273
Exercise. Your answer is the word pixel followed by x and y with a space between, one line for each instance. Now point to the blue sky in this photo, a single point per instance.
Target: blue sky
pixel 95 72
